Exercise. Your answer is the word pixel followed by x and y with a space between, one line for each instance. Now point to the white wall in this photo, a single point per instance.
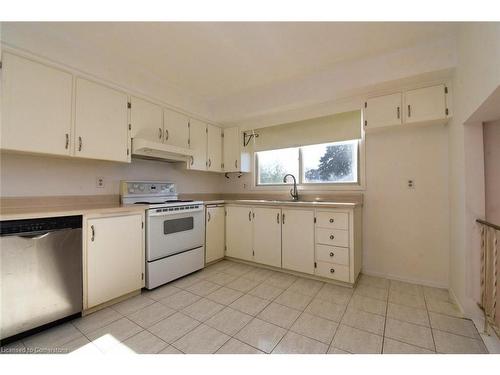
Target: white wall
pixel 491 134
pixel 27 175
pixel 405 232
pixel 477 76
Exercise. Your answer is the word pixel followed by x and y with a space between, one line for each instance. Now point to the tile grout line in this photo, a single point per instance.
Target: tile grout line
pixel 430 324
pixel 340 321
pixel 288 330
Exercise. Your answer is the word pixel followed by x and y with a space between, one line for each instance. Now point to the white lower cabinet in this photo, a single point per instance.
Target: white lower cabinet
pixel 214 232
pixel 113 257
pixel 239 232
pixel 321 242
pixel 298 240
pixel 267 236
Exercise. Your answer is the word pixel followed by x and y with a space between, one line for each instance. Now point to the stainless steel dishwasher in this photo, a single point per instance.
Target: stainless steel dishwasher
pixel 41 273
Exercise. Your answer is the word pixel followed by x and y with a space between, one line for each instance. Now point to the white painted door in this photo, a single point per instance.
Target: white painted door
pixel 176 128
pixel 36 101
pixel 198 143
pixel 239 232
pixel 214 148
pixel 383 111
pixel 114 257
pixel 101 126
pixel 426 104
pixel 267 236
pixel 146 119
pixel 298 240
pixel 215 227
pixel 231 149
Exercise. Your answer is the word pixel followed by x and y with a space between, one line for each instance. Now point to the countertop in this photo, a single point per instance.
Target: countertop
pixel 18 208
pixel 264 202
pixel 38 207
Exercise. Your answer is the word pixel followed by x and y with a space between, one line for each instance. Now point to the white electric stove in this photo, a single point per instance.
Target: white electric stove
pixel 174 230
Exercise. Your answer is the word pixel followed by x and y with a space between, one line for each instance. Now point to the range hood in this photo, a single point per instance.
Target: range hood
pixel 144 148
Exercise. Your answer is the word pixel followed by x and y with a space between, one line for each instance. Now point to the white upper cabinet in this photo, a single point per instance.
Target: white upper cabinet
pixel 267 236
pixel 175 128
pixel 36 115
pixel 426 104
pixel 234 158
pixel 198 143
pixel 101 122
pixel 214 148
pixel 383 111
pixel 146 120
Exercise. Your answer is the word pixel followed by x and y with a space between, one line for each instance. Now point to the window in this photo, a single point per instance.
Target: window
pixel 330 163
pixel 275 164
pixel 327 163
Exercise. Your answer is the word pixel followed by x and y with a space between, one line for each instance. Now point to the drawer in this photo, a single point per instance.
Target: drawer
pixel 334 237
pixel 332 254
pixel 332 219
pixel 332 271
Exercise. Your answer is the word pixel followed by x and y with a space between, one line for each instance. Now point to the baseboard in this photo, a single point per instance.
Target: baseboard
pixel 405 279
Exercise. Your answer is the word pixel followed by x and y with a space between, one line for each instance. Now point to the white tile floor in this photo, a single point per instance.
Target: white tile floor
pixel 231 307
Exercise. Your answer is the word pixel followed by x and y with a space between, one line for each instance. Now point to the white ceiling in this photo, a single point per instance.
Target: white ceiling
pixel 212 60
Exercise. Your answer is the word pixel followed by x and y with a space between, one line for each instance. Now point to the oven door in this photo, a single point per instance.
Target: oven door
pixel 172 233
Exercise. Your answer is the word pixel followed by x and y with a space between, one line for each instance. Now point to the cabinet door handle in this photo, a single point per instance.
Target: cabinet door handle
pixel 283 219
pixel 209 162
pixel 67 141
pixel 409 110
pixel 192 160
pixel 331 220
pixel 93 233
pixel 249 215
pixel 278 218
pixel 332 270
pixel 332 236
pixel 209 217
pixel 332 254
pixel 236 163
pixel 398 112
pixel 166 134
pixel 80 143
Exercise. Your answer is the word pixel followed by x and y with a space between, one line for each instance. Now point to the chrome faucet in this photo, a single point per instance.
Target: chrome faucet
pixel 293 192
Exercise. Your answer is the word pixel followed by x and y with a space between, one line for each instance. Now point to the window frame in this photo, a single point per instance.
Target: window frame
pixel 314 186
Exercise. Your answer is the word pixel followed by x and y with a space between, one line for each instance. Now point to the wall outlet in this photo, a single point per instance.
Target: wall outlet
pixel 411 184
pixel 99 182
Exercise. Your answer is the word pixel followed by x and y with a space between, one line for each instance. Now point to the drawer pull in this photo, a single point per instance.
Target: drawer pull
pixel 332 254
pixel 331 220
pixel 332 236
pixel 332 270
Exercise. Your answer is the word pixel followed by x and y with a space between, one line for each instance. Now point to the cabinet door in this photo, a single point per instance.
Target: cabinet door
pixel 176 128
pixel 383 111
pixel 198 143
pixel 239 232
pixel 101 125
pixel 214 148
pixel 214 246
pixel 231 149
pixel 426 104
pixel 146 119
pixel 267 236
pixel 114 257
pixel 298 240
pixel 36 114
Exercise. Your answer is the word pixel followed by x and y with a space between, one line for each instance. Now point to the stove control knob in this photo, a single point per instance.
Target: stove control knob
pixel 141 187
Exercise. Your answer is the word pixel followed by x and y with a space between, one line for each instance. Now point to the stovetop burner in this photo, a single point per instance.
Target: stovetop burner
pixel 167 201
